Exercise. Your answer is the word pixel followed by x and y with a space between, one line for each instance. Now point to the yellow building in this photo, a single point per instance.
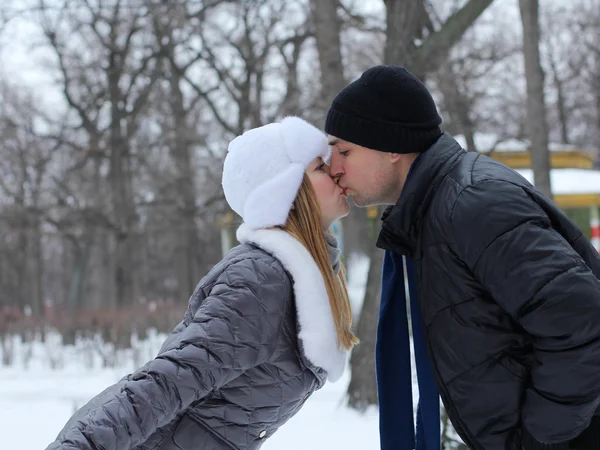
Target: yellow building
pixel 574 181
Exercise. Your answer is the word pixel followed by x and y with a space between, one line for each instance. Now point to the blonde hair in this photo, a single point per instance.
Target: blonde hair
pixel 305 224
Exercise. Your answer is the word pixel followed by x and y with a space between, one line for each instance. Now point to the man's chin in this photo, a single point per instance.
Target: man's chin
pixel 364 202
pixel 358 202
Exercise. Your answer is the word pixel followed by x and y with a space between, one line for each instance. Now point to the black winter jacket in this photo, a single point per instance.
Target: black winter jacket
pixel 252 347
pixel 509 292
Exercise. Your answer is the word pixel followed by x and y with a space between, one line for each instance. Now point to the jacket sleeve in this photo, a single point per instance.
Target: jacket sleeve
pixel 508 243
pixel 235 329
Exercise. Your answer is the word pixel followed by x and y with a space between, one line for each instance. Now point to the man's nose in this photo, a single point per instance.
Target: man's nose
pixel 335 169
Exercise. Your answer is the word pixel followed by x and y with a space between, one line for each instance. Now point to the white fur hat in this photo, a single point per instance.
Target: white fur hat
pixel 264 167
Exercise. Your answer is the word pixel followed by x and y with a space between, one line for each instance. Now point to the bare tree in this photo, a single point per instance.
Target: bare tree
pixel 291 51
pixel 407 22
pixel 588 31
pixel 413 42
pixel 24 170
pixel 127 65
pixel 464 82
pixel 596 86
pixel 75 215
pixel 458 103
pixel 536 108
pixel 327 26
pixel 249 38
pixel 560 62
pixel 173 33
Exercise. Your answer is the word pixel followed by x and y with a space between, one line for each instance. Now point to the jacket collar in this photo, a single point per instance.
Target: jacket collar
pixel 317 333
pixel 402 222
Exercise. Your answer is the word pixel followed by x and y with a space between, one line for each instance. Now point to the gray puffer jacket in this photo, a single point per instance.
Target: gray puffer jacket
pixel 257 339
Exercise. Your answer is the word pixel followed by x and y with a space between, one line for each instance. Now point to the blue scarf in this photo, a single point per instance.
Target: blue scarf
pixel 394 374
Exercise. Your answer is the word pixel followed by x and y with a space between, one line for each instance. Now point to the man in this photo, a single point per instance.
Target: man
pixel 507 321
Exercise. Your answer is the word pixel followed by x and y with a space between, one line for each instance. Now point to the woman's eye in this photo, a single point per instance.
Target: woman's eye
pixel 321 167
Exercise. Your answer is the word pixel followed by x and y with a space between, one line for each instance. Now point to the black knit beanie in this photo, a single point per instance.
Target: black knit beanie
pixel 386 109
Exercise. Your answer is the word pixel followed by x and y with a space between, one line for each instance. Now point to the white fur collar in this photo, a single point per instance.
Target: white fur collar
pixel 317 329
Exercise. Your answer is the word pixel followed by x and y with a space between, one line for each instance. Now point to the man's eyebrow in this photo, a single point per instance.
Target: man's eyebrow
pixel 334 141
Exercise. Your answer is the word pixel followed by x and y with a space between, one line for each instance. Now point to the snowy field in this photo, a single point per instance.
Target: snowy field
pixel 36 400
pixel 36 403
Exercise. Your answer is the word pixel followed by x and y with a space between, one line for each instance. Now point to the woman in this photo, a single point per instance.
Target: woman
pixel 264 329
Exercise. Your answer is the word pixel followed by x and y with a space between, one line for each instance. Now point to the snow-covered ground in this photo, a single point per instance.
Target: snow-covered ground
pixel 36 403
pixel 36 400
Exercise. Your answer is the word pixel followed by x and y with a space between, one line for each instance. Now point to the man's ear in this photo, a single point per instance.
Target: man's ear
pixel 395 157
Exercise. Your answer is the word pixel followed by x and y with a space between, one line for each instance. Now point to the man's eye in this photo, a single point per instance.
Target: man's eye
pixel 345 153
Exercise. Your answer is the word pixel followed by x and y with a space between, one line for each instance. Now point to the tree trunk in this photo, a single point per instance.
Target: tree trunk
pixel 109 264
pixel 38 255
pixel 82 254
pixel 435 49
pixel 289 105
pixel 327 33
pixel 536 108
pixel 362 390
pixel 188 243
pixel 121 186
pixel 598 118
pixel 563 115
pixel 123 208
pixel 21 263
pixel 405 22
pixel 597 94
pixel 76 280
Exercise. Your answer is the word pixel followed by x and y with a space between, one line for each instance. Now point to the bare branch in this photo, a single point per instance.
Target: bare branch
pixel 87 123
pixel 436 47
pixel 94 24
pixel 224 74
pixel 211 104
